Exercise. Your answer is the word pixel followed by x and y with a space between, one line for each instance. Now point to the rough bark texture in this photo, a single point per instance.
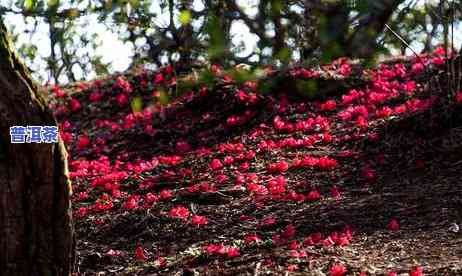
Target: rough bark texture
pixel 36 234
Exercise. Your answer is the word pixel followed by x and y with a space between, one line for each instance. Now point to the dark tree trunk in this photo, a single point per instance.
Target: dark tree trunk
pixel 326 28
pixel 310 35
pixel 279 29
pixel 363 42
pixel 36 235
pixel 333 35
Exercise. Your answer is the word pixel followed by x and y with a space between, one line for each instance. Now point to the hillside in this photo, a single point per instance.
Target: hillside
pixel 363 175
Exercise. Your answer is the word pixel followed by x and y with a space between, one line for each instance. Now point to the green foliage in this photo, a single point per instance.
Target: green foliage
pixel 136 104
pixel 29 5
pixel 163 97
pixel 30 51
pixel 185 85
pixel 240 75
pixel 306 88
pixel 284 55
pixel 207 78
pixel 185 17
pixel 53 3
pixel 276 6
pixel 217 45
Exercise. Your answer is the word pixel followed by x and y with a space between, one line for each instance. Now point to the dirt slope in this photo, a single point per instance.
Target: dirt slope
pixel 229 180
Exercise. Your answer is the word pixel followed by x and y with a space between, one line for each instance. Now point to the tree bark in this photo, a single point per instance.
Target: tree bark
pixel 362 43
pixel 36 234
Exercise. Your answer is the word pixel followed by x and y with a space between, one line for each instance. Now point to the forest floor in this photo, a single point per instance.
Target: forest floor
pixel 230 181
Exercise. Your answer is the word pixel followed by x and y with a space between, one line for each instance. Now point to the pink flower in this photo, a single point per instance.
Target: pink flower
pixel 121 99
pixel 114 253
pixel 313 196
pixel 384 112
pixel 151 198
pixel 215 249
pixel 232 251
pixel 160 261
pixel 278 167
pixel 182 146
pixel 279 123
pixel 244 166
pixel 308 241
pixel 170 160
pixel 316 237
pixel 165 194
pixel 288 232
pixel 199 220
pixel 132 202
pixel 222 178
pixel 66 137
pixel 58 91
pixel 241 95
pixel 334 192
pixel 267 221
pixel 179 212
pixel 369 174
pixel 250 155
pixel 82 211
pixel 393 225
pixel 337 270
pixel 437 60
pixel 345 69
pixel 400 109
pixel 313 239
pixel 459 97
pixel 361 122
pixel 123 85
pixel 66 124
pixel 328 242
pixel 326 163
pixel 342 240
pixel 228 160
pixel 168 69
pixel 277 185
pixel 439 51
pixel 326 137
pixel 83 142
pixel 417 68
pixel 82 196
pixel 252 239
pixel 159 78
pixel 232 120
pixel 409 86
pixel 140 254
pixel 328 105
pixel 74 105
pixel 95 96
pixel 345 115
pixel 298 254
pixel 216 69
pixel 216 164
pixel 418 271
pixel 292 267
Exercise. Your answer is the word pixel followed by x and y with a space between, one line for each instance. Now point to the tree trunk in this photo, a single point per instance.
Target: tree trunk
pixel 363 42
pixel 36 234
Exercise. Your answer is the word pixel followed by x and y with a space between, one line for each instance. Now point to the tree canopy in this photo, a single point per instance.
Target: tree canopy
pixel 186 32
